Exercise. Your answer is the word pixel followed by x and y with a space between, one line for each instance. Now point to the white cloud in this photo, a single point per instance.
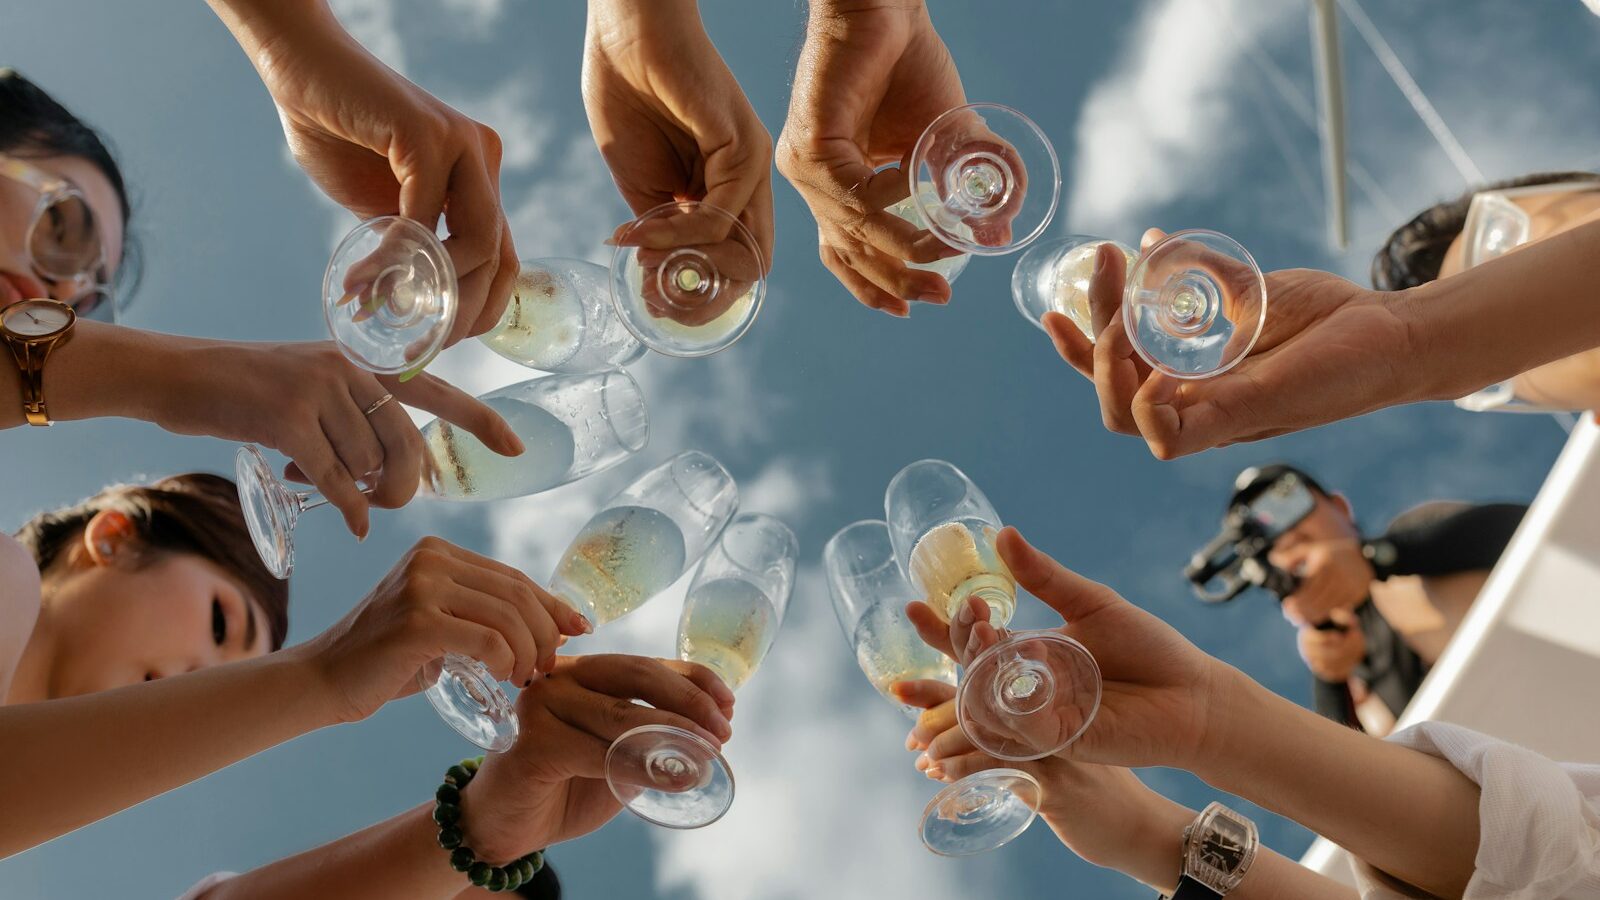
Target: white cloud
pixel 373 23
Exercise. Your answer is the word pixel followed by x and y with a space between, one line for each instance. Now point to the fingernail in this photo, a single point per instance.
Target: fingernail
pixel 924 762
pixel 585 626
pixel 911 741
pixel 610 242
pixel 933 298
pixel 936 773
pixel 965 615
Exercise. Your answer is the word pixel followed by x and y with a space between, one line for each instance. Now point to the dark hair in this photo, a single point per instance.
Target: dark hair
pixel 32 123
pixel 196 513
pixel 544 886
pixel 1415 251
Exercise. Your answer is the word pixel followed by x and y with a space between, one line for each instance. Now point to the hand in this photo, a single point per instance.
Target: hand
pixel 309 402
pixel 872 76
pixel 1158 690
pixel 551 786
pixel 1333 655
pixel 440 599
pixel 1104 814
pixel 671 121
pixel 1329 350
pixel 379 145
pixel 1333 576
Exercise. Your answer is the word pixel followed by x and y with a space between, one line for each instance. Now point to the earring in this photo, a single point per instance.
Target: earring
pixel 106 550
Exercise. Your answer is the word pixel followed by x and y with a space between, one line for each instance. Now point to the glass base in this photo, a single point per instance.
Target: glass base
pixel 270 510
pixel 1195 304
pixel 1029 696
pixel 981 812
pixel 470 701
pixel 995 176
pixel 669 777
pixel 389 295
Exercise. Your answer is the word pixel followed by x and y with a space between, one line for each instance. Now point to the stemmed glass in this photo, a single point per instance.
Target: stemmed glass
pixel 943 530
pixel 571 425
pixel 1193 306
pixel 869 595
pixel 634 548
pixel 561 319
pixel 687 278
pixel 734 608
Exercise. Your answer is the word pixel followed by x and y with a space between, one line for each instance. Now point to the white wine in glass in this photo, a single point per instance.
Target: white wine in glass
pixel 561 319
pixel 943 529
pixel 734 608
pixel 908 209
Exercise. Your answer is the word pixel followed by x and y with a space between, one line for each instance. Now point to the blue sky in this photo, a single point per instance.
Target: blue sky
pixel 1177 113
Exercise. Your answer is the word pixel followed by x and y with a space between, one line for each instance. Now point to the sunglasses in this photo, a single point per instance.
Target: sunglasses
pixel 63 240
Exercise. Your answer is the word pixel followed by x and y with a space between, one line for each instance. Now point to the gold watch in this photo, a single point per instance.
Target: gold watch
pixel 33 328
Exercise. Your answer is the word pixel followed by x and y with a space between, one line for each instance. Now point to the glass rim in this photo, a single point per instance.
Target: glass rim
pixel 1136 275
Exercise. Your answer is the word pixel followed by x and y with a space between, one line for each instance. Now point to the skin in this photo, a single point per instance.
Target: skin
pixel 17 204
pixel 1166 703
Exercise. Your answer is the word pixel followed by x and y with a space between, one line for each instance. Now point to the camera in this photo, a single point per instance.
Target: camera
pixel 1263 509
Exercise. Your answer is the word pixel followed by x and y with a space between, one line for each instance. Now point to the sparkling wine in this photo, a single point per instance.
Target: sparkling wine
pixel 1070 284
pixel 889 650
pixel 906 209
pixel 728 625
pixel 624 556
pixel 543 324
pixel 956 560
pixel 459 467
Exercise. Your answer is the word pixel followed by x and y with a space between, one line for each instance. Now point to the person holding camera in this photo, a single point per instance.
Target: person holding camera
pixel 1373 614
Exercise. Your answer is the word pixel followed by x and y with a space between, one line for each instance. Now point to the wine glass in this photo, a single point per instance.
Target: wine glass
pixel 982 811
pixel 731 615
pixel 943 530
pixel 949 268
pixel 1193 306
pixel 687 278
pixel 390 295
pixel 994 178
pixel 634 548
pixel 560 319
pixel 571 425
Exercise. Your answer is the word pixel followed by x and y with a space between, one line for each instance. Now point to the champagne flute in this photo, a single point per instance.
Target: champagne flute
pixel 634 548
pixel 734 608
pixel 560 319
pixel 943 530
pixel 1194 303
pixel 571 425
pixel 994 177
pixel 949 268
pixel 981 812
pixel 687 278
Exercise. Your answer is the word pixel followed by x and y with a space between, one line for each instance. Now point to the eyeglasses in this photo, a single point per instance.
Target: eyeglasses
pixel 63 239
pixel 1496 224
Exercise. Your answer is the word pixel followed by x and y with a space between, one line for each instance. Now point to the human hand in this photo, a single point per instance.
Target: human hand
pixel 872 76
pixel 1333 575
pixel 379 145
pixel 1329 350
pixel 1333 655
pixel 1158 690
pixel 551 785
pixel 672 122
pixel 310 403
pixel 439 599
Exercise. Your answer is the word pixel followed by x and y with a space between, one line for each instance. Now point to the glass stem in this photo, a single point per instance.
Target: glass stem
pixel 311 499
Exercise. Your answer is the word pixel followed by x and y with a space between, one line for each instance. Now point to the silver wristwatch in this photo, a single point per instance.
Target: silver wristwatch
pixel 1218 849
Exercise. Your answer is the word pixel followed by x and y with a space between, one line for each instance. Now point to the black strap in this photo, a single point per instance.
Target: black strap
pixel 1189 889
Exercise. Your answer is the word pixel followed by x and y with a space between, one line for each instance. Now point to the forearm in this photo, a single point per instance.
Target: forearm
pixel 73 761
pixel 101 370
pixel 1407 813
pixel 257 24
pixel 1504 317
pixel 399 857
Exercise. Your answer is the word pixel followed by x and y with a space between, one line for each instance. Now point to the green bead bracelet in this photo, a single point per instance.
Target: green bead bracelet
pixel 447 815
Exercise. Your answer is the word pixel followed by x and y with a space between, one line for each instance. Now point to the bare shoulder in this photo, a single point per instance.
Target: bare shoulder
pixel 19 598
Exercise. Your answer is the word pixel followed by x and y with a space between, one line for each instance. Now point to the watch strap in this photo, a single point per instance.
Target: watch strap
pixel 1190 889
pixel 30 376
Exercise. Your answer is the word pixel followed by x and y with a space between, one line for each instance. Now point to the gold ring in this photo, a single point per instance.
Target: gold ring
pixel 378 404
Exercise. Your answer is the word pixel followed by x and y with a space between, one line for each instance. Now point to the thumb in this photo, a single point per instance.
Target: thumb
pixel 1339 615
pixel 422 191
pixel 1064 590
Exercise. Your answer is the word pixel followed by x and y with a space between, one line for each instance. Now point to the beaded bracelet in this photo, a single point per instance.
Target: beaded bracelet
pixel 447 814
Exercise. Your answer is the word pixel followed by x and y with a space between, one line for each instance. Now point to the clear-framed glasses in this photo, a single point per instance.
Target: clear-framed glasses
pixel 1193 305
pixel 572 426
pixel 63 240
pixel 731 616
pixel 1497 223
pixel 644 539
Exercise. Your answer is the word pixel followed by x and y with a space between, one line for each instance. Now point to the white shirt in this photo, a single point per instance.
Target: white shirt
pixel 206 884
pixel 1538 820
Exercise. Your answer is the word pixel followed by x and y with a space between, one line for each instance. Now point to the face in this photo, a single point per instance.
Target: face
pixel 1549 213
pixel 18 280
pixel 116 625
pixel 1329 520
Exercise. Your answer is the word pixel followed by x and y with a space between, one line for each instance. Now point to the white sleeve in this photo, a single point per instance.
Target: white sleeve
pixel 206 884
pixel 1538 820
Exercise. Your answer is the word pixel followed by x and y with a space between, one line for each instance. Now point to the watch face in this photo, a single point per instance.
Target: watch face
pixel 1221 847
pixel 1224 847
pixel 36 318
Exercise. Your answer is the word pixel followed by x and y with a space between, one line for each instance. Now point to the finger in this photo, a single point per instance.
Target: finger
pixel 423 182
pixel 1106 286
pixel 318 461
pixel 500 287
pixel 955 768
pixel 1116 377
pixel 434 394
pixel 474 219
pixel 568 620
pixel 923 693
pixel 1150 238
pixel 951 742
pixel 932 723
pixel 758 218
pixel 870 295
pixel 1073 345
pixel 474 640
pixel 608 717
pixel 893 276
pixel 568 749
pixel 401 445
pixel 1064 590
pixel 853 198
pixel 707 681
pixel 345 424
pixel 650 680
pixel 493 612
pixel 538 621
pixel 934 631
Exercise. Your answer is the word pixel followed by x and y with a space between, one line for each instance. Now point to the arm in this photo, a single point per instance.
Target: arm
pixel 1470 539
pixel 1570 383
